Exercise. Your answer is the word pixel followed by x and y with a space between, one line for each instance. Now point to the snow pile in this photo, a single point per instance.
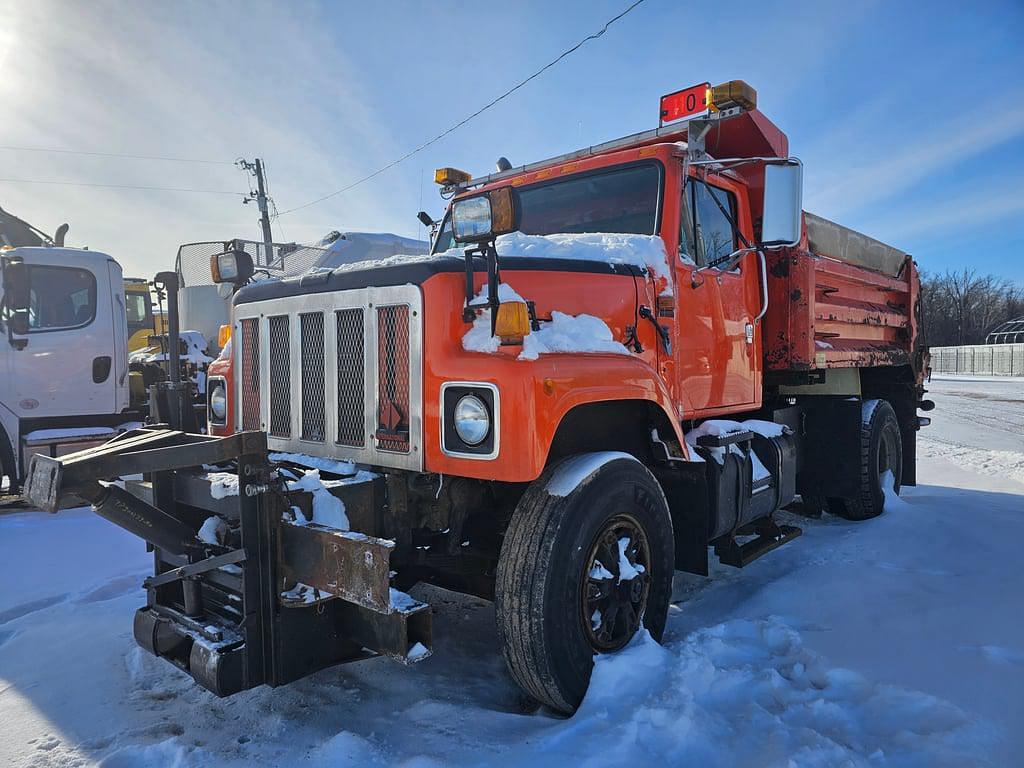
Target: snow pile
pixel 213 530
pixel 402 602
pixel 723 427
pixel 70 432
pixel 568 333
pixel 328 510
pixel 644 251
pixel 302 593
pixel 195 350
pixel 334 466
pixel 478 338
pixel 688 698
pixel 563 333
pixel 222 484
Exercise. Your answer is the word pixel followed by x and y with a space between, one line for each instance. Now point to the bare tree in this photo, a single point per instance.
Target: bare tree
pixel 961 307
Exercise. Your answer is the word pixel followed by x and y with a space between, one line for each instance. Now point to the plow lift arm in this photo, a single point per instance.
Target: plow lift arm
pixel 222 611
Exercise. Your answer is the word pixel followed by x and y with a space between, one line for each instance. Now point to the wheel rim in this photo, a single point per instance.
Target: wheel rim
pixel 616 581
pixel 887 451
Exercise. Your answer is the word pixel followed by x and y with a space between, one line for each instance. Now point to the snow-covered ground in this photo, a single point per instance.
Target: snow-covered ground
pixel 899 641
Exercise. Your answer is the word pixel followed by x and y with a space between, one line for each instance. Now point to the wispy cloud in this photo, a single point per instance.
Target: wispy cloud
pixel 890 170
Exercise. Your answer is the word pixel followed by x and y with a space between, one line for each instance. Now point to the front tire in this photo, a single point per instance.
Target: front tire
pixel 881 451
pixel 583 564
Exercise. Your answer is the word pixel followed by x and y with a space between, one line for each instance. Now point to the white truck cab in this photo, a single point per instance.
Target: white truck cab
pixel 63 351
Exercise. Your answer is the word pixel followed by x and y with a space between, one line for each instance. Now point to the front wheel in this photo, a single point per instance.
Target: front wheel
pixel 587 558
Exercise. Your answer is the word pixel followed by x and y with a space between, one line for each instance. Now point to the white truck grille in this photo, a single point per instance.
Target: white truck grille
pixel 337 375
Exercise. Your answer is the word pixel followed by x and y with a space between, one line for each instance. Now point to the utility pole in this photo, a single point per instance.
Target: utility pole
pixel 256 169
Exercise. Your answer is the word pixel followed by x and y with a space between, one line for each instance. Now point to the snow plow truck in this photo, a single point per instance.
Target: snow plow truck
pixel 613 364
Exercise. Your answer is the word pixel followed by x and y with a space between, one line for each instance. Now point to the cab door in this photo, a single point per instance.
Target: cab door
pixel 67 365
pixel 719 349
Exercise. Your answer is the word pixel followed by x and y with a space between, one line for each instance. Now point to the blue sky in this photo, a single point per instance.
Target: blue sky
pixel 909 117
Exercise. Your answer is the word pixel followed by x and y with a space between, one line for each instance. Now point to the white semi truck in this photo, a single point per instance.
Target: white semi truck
pixel 63 354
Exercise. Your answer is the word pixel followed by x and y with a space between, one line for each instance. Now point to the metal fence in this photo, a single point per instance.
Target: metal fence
pixel 980 359
pixel 286 259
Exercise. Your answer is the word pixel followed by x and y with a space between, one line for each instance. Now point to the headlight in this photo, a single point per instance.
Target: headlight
pixel 472 421
pixel 479 218
pixel 219 402
pixel 231 267
pixel 472 218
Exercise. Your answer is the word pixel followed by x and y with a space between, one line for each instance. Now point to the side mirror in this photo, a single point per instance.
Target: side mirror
pixel 782 214
pixel 16 300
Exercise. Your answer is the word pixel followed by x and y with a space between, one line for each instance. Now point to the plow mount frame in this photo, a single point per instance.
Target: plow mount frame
pixel 219 612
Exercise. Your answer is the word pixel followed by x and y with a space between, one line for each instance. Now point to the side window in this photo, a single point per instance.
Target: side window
pixel 135 304
pixel 444 239
pixel 707 237
pixel 60 297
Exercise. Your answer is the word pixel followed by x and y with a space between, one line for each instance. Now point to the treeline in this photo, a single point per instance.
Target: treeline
pixel 962 307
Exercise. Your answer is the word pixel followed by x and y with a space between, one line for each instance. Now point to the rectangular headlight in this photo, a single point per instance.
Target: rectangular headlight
pixel 471 218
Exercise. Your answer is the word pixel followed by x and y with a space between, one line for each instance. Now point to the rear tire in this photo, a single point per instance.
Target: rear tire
pixel 555 608
pixel 8 466
pixel 881 451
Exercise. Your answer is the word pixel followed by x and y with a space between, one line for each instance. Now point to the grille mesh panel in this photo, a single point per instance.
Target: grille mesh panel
pixel 393 378
pixel 280 378
pixel 314 418
pixel 351 389
pixel 250 374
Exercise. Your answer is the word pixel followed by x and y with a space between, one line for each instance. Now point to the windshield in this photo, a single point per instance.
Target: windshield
pixel 618 200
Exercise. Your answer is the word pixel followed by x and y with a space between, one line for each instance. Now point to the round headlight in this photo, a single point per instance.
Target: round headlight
pixel 219 402
pixel 472 421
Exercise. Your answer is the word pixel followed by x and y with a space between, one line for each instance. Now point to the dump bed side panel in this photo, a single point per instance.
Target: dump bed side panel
pixel 827 312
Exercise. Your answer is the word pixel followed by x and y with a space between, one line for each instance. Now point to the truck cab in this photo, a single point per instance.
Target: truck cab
pixel 63 349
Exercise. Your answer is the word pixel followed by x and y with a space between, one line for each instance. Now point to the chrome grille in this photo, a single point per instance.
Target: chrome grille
pixel 351 386
pixel 393 378
pixel 249 379
pixel 355 357
pixel 314 421
pixel 280 378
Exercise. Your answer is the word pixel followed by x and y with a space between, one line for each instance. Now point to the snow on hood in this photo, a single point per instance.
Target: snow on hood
pixel 563 333
pixel 643 251
pixel 359 247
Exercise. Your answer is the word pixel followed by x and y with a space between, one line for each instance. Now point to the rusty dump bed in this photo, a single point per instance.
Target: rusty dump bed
pixel 841 300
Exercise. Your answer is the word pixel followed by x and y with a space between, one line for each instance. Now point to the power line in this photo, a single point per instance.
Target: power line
pixel 116 154
pixel 120 186
pixel 462 122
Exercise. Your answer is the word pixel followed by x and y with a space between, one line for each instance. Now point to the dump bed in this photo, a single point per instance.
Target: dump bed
pixel 840 300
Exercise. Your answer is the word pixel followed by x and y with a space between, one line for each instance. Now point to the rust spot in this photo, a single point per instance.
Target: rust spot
pixel 779 268
pixel 795 295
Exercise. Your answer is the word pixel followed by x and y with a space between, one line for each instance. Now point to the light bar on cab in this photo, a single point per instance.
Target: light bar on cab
pixel 701 100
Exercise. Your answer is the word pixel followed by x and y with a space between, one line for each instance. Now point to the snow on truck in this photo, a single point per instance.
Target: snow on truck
pixel 611 363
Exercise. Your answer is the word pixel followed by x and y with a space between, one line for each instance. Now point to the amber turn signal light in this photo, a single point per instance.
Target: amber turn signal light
pixel 448 177
pixel 734 93
pixel 513 322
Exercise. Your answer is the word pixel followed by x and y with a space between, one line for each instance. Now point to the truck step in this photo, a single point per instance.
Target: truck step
pixel 771 536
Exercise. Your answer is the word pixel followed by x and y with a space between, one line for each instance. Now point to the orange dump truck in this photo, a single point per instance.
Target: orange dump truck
pixel 613 364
